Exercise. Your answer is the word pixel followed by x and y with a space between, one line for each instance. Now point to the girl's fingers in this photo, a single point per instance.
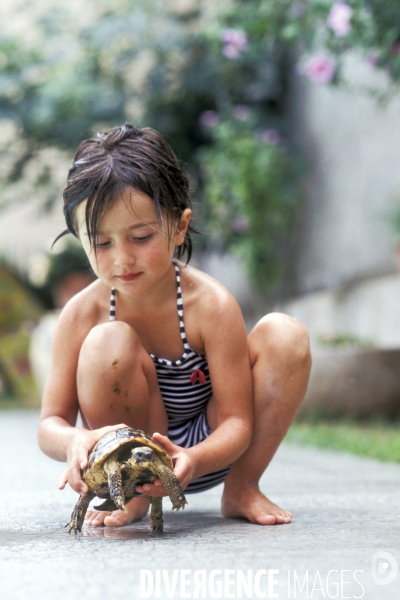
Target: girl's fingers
pixel 151 489
pixel 183 464
pixel 108 428
pixel 73 473
pixel 181 471
pixel 75 482
pixel 79 458
pixel 165 442
pixel 83 460
pixel 63 480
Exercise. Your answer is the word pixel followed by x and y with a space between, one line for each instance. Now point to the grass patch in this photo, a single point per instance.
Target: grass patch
pixel 380 441
pixel 10 403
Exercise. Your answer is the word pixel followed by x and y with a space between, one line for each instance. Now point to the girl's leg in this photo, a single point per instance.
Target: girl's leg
pixel 117 383
pixel 280 360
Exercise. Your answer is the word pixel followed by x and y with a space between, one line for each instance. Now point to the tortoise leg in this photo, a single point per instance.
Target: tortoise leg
pixel 110 505
pixel 106 505
pixel 156 515
pixel 172 485
pixel 78 514
pixel 115 485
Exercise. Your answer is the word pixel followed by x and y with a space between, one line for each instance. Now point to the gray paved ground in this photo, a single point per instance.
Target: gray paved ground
pixel 346 509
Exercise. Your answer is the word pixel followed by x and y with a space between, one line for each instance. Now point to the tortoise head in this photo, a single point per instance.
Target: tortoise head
pixel 142 454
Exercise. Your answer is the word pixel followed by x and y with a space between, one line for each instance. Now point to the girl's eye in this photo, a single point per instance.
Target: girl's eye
pixel 102 244
pixel 143 238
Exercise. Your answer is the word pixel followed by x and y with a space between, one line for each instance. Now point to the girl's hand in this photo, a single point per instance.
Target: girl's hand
pixel 77 456
pixel 184 467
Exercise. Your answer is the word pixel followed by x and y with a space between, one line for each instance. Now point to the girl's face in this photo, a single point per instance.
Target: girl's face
pixel 133 253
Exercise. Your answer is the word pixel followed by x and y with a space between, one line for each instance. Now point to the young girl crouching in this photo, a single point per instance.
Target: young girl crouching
pixel 158 345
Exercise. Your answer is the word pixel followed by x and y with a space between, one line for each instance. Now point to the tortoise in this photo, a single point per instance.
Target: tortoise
pixel 120 461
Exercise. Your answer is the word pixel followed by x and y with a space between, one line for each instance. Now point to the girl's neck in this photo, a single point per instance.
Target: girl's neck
pixel 162 292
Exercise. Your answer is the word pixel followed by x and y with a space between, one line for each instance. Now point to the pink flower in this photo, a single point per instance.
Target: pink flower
pixel 240 224
pixel 237 37
pixel 395 48
pixel 209 118
pixel 230 51
pixel 372 59
pixel 339 19
pixel 320 68
pixel 297 11
pixel 241 112
pixel 270 137
pixel 235 41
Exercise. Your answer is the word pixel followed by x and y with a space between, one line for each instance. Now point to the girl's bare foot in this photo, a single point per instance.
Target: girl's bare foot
pixel 136 509
pixel 249 503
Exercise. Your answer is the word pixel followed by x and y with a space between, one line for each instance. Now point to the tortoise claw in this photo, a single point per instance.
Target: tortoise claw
pixel 78 514
pixel 73 526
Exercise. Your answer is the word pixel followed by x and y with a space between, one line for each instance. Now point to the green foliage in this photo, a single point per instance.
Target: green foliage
pixel 84 70
pixel 371 28
pixel 229 97
pixel 379 440
pixel 76 74
pixel 78 77
pixel 252 191
pixel 334 339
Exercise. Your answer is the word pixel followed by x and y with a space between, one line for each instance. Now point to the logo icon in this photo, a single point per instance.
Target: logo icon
pixel 384 568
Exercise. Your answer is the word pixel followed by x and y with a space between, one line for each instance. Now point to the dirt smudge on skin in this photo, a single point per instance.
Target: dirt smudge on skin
pixel 111 407
pixel 127 409
pixel 116 388
pixel 115 362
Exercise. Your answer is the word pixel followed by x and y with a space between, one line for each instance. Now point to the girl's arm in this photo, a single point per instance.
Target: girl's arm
pixel 229 412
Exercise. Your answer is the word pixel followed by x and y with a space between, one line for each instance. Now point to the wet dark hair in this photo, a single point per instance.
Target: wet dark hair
pixel 124 157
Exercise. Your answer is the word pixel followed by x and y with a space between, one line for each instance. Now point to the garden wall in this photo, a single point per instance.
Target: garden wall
pixel 351 142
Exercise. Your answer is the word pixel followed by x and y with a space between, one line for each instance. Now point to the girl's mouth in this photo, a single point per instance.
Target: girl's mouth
pixel 128 276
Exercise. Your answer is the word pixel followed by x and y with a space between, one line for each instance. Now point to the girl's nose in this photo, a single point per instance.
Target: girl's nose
pixel 124 255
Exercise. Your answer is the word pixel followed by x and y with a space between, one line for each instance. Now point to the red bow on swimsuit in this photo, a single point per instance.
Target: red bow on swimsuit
pixel 198 376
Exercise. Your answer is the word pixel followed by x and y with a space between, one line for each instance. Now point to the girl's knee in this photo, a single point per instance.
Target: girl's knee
pixel 113 341
pixel 280 334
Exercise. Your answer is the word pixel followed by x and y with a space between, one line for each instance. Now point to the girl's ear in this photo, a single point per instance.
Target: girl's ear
pixel 182 227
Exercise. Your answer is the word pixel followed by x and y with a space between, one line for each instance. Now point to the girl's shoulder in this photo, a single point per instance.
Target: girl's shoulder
pixel 87 308
pixel 207 296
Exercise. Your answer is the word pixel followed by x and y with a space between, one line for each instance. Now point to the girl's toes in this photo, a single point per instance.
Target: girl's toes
pixel 286 518
pixel 99 519
pixel 89 518
pixel 265 519
pixel 96 519
pixel 116 519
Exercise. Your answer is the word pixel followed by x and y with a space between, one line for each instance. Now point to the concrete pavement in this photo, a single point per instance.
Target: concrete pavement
pixel 346 516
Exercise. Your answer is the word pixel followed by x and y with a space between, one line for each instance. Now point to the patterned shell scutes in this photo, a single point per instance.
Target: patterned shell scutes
pixel 120 437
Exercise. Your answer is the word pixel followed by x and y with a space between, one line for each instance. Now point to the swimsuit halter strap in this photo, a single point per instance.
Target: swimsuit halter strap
pixel 180 306
pixel 112 305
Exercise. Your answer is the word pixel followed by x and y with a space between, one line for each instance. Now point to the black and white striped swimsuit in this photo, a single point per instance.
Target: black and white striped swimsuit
pixel 185 387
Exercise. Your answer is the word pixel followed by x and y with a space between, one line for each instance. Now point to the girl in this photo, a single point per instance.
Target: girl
pixel 157 345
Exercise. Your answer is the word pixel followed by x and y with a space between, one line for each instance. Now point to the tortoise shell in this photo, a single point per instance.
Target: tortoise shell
pixel 119 442
pixel 119 463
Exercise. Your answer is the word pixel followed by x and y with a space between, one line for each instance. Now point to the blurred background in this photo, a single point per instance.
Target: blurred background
pixel 284 113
